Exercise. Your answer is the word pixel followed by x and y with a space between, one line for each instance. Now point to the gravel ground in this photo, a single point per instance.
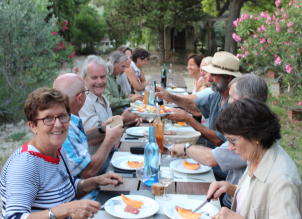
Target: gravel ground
pixel 8 146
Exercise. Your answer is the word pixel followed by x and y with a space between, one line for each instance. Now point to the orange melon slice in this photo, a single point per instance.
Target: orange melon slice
pixel 190 166
pixel 135 164
pixel 188 214
pixel 145 107
pixel 131 202
pixel 181 123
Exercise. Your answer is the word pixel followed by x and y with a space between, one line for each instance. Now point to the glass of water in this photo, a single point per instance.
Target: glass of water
pixel 165 177
pixel 143 174
pixel 168 143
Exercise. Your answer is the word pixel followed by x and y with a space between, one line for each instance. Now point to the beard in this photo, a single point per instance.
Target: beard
pixel 220 86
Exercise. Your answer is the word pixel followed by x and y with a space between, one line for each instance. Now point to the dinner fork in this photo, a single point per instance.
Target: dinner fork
pixel 111 203
pixel 195 178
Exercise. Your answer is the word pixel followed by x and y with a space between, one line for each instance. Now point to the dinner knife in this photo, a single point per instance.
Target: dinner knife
pixel 203 204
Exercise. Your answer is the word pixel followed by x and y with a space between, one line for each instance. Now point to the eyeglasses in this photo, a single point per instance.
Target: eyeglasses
pixel 84 91
pixel 50 120
pixel 232 141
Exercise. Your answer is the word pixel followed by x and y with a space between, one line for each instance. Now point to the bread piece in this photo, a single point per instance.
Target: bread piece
pixel 158 189
pixel 166 132
pixel 116 122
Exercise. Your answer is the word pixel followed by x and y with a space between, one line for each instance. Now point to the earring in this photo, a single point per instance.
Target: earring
pixel 257 142
pixel 35 132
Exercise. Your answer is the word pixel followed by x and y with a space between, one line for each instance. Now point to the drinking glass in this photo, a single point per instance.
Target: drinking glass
pixel 165 177
pixel 149 119
pixel 168 124
pixel 168 143
pixel 143 174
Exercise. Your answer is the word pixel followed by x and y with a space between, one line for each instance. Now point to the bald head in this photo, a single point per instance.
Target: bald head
pixel 69 83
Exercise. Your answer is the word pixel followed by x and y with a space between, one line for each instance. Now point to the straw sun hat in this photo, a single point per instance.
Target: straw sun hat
pixel 224 63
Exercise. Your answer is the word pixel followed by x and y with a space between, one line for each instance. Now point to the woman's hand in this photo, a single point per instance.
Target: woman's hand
pixel 83 209
pixel 226 213
pixel 218 188
pixel 109 178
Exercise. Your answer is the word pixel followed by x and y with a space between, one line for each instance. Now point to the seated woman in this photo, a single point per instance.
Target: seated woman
pixel 36 180
pixel 122 79
pixel 135 73
pixel 271 186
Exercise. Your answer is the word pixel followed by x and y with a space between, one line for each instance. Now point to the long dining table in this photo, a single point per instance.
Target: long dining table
pixel 183 188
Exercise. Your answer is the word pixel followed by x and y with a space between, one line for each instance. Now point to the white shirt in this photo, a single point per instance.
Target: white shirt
pixel 242 193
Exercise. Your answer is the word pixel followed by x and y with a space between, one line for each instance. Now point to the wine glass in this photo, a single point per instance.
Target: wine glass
pixel 168 124
pixel 165 177
pixel 143 174
pixel 149 119
pixel 168 143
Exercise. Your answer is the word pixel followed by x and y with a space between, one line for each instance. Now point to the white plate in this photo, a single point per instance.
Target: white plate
pixel 137 131
pixel 121 162
pixel 182 129
pixel 149 208
pixel 176 90
pixel 153 115
pixel 171 212
pixel 177 165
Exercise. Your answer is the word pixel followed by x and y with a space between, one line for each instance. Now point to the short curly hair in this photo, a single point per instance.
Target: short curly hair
pixel 197 59
pixel 140 53
pixel 42 99
pixel 250 118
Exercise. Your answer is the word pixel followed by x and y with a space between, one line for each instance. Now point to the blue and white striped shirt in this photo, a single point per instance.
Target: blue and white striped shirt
pixel 31 182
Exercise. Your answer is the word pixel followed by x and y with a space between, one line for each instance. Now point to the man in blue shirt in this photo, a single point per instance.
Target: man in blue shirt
pixel 82 164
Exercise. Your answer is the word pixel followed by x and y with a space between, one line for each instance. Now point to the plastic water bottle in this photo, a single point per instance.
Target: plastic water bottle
pixel 151 154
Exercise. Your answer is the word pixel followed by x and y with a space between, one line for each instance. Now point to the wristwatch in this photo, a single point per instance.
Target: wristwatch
pixel 51 215
pixel 186 146
pixel 101 130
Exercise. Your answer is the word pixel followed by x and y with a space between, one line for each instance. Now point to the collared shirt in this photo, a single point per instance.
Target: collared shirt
pixel 117 98
pixel 93 113
pixel 123 81
pixel 275 189
pixel 210 107
pixel 229 161
pixel 76 147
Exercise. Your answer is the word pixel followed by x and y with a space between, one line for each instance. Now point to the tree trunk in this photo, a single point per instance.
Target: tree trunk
pixel 234 13
pixel 161 32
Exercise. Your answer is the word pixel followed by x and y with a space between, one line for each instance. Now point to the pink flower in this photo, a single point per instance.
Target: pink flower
pixel 290 24
pixel 56 50
pixel 28 57
pixel 273 102
pixel 292 56
pixel 300 103
pixel 278 2
pixel 267 96
pixel 285 43
pixel 259 29
pixel 246 53
pixel 276 13
pixel 251 17
pixel 244 41
pixel 262 40
pixel 256 53
pixel 291 3
pixel 61 45
pixel 239 55
pixel 297 6
pixel 278 29
pixel 54 33
pixel 71 55
pixel 235 23
pixel 237 38
pixel 255 35
pixel 263 27
pixel 269 40
pixel 288 68
pixel 276 55
pixel 290 30
pixel 278 61
pixel 295 121
pixel 69 44
pixel 261 48
pixel 64 28
pixel 66 22
pixel 76 70
pixel 57 22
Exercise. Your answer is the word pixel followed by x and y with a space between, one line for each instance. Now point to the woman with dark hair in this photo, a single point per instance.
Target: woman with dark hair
pixel 271 186
pixel 36 181
pixel 135 73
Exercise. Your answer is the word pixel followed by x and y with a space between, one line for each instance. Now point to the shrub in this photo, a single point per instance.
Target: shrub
pixel 31 52
pixel 273 40
pixel 89 29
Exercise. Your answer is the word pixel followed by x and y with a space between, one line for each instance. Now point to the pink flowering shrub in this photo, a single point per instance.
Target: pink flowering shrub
pixel 273 40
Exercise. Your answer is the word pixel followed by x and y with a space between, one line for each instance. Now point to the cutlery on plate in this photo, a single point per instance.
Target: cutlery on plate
pixel 111 203
pixel 195 178
pixel 203 204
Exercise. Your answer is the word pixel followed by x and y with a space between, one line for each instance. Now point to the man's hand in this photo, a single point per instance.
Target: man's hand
pixel 109 121
pixel 136 97
pixel 178 115
pixel 218 188
pixel 128 116
pixel 162 93
pixel 177 149
pixel 110 178
pixel 196 113
pixel 113 135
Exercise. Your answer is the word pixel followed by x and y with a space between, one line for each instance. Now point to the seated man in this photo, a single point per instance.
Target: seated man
pixel 117 98
pixel 81 163
pixel 243 86
pixel 224 67
pixel 97 109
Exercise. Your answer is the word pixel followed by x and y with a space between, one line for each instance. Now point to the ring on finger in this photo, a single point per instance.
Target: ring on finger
pixel 91 215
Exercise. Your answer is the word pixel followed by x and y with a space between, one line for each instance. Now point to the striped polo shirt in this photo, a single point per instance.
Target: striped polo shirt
pixel 31 182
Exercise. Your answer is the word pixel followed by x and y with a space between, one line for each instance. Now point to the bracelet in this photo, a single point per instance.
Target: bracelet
pixel 82 184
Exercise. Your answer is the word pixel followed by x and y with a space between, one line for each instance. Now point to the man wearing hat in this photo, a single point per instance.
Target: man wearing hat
pixel 225 67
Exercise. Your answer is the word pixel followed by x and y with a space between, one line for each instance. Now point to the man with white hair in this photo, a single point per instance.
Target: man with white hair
pixel 81 163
